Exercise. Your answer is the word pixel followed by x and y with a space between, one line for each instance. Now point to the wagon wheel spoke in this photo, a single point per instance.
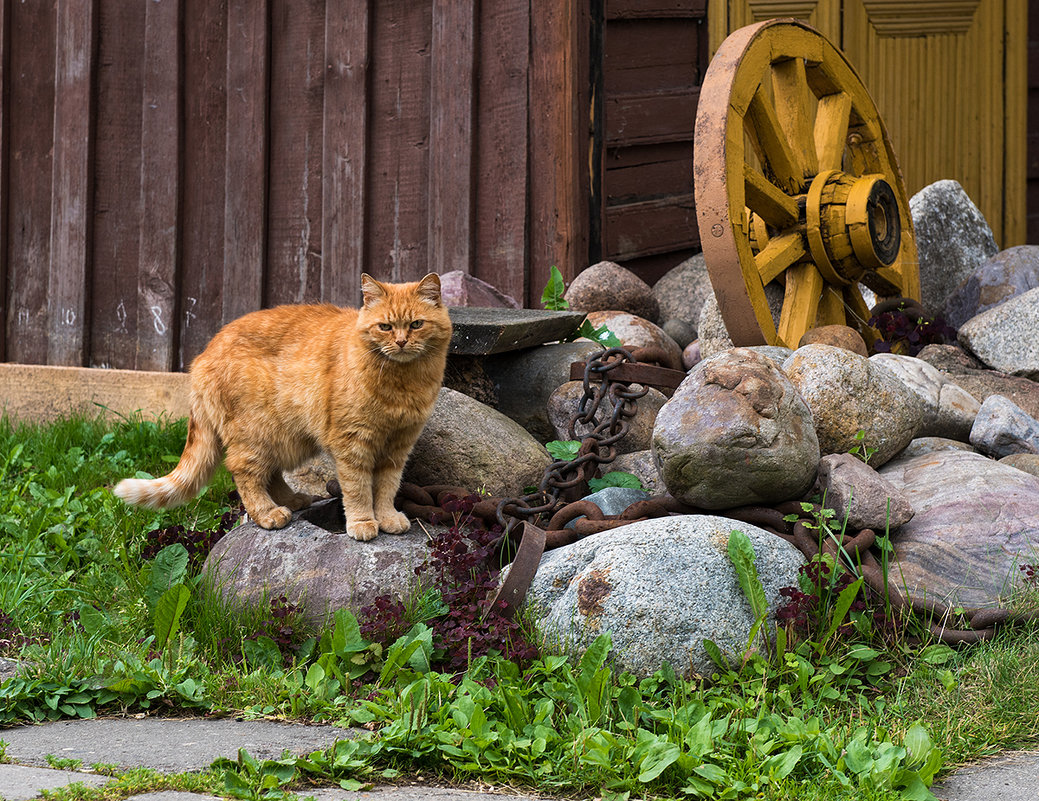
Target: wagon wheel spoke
pixel 765 198
pixel 778 255
pixel 795 107
pixel 804 286
pixel 796 181
pixel 770 143
pixel 831 129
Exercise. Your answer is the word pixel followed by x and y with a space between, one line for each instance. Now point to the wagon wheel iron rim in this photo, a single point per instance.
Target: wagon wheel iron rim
pixel 796 182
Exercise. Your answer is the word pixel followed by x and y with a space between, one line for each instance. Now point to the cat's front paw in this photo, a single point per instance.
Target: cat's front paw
pixel 363 530
pixel 278 517
pixel 394 523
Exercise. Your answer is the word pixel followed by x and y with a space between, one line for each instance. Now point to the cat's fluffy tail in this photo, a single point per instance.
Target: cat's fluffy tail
pixel 198 462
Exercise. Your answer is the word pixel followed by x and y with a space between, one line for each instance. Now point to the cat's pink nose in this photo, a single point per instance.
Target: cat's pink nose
pixel 401 343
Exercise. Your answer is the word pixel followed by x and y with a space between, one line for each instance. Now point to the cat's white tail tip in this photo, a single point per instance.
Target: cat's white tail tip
pixel 140 492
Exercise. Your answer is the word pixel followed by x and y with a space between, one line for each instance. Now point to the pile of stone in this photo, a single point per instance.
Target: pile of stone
pixel 945 444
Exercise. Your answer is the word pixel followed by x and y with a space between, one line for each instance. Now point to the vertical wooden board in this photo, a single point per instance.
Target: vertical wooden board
pixel 501 146
pixel 30 121
pixel 451 168
pixel 5 77
pixel 67 310
pixel 344 175
pixel 558 185
pixel 117 170
pixel 1015 70
pixel 296 105
pixel 205 143
pixel 161 161
pixel 399 140
pixel 245 194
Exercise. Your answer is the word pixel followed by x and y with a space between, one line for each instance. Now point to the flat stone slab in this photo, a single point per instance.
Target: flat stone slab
pixel 481 332
pixel 168 745
pixel 20 783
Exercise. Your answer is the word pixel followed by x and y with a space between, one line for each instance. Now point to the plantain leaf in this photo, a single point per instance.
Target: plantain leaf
pixel 167 614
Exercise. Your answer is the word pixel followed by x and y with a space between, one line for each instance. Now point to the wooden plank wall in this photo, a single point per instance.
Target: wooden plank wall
pixel 655 58
pixel 1033 124
pixel 167 166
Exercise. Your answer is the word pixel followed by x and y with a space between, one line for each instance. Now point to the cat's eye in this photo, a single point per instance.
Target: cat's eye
pixel 417 323
pixel 385 327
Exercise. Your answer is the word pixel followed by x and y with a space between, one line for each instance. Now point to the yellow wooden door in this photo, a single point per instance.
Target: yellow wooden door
pixel 950 81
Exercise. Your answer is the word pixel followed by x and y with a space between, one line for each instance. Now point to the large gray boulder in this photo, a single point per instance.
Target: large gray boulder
pixel 1006 337
pixel 1003 428
pixel 952 240
pixel 660 588
pixel 524 381
pixel 735 432
pixel 975 525
pixel 848 394
pixel 1009 273
pixel 468 444
pixel 315 564
pixel 608 286
pixel 682 291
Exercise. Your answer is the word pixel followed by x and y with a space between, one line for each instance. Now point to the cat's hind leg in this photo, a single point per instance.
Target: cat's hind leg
pixel 284 495
pixel 252 476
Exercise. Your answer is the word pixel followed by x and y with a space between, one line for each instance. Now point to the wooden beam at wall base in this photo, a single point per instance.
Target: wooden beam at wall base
pixel 40 393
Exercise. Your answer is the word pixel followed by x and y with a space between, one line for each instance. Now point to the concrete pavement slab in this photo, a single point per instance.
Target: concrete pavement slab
pixel 170 745
pixel 20 783
pixel 1010 777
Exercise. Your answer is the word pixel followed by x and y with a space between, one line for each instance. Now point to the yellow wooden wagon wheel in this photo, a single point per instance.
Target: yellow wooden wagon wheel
pixel 796 182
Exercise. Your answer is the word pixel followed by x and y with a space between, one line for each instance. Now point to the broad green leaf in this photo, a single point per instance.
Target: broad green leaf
pixel 167 614
pixel 169 568
pixel 552 296
pixel 346 637
pixel 615 478
pixel 661 755
pixel 563 450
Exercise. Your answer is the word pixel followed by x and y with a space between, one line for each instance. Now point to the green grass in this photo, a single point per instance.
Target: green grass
pixel 857 717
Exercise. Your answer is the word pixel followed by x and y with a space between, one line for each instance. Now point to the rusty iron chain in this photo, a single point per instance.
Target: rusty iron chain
pixel 606 409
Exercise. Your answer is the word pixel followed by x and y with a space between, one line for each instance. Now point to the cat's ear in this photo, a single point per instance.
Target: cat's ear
pixel 429 289
pixel 371 291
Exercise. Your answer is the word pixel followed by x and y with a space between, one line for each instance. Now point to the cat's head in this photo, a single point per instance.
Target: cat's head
pixel 403 321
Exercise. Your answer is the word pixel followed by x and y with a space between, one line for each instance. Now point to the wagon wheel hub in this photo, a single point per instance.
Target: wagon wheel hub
pixel 796 187
pixel 852 225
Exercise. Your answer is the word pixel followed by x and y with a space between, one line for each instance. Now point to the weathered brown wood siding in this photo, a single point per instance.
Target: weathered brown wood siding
pixel 1033 123
pixel 654 57
pixel 167 166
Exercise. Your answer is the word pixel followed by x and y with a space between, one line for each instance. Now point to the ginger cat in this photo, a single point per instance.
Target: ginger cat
pixel 277 385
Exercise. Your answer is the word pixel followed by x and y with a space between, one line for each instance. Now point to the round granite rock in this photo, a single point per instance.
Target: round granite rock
pixel 659 587
pixel 735 432
pixel 315 564
pixel 607 285
pixel 848 394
